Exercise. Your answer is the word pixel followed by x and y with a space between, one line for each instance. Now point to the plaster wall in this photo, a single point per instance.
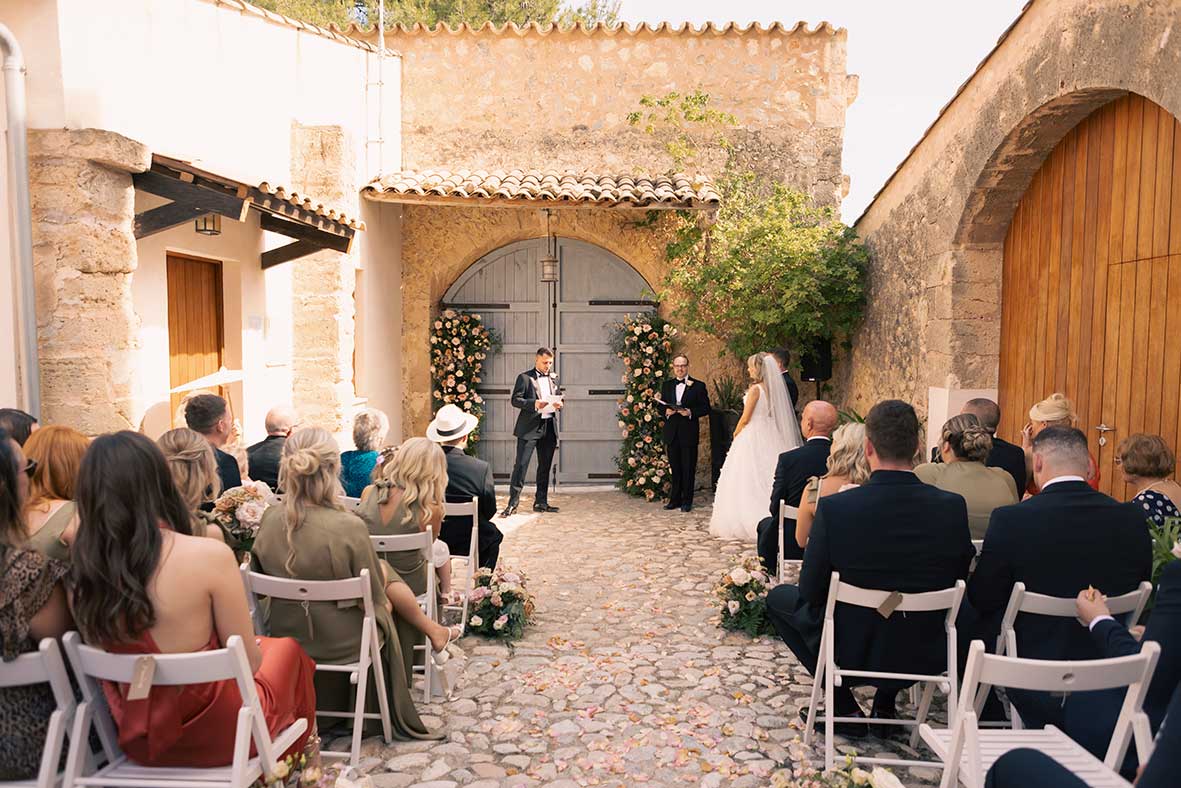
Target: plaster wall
pixel 378 359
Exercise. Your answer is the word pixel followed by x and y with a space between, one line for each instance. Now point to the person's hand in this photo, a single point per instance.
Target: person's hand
pixel 1090 604
pixel 669 412
pixel 1027 437
pixel 685 412
pixel 557 406
pixel 538 404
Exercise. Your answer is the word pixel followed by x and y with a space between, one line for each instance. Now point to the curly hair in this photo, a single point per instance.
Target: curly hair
pixel 419 469
pixel 1146 456
pixel 369 429
pixel 309 473
pixel 847 456
pixel 192 464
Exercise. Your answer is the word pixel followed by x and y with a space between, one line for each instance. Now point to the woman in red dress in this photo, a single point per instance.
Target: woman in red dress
pixel 143 584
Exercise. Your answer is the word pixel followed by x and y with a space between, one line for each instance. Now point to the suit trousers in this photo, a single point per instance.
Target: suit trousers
pixel 1023 767
pixel 769 543
pixel 682 460
pixel 544 445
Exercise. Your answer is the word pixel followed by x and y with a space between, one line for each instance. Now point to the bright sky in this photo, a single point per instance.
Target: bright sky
pixel 911 56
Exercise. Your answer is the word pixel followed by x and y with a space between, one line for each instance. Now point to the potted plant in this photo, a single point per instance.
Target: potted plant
pixel 726 408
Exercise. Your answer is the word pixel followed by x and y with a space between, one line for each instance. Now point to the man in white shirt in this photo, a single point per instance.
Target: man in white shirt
pixel 537 395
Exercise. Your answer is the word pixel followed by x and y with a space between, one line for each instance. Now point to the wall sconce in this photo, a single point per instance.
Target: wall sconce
pixel 209 224
pixel 549 263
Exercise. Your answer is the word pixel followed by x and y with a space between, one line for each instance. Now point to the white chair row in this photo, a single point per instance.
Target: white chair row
pixel 44 666
pixel 471 561
pixel 786 513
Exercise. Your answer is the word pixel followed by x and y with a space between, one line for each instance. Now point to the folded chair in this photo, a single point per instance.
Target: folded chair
pixel 417 542
pixel 830 675
pixel 786 513
pixel 472 559
pixel 369 656
pixel 44 666
pixel 92 665
pixel 968 752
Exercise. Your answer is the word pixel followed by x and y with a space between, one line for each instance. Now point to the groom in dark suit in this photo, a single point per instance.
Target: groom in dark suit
pixel 688 401
pixel 536 430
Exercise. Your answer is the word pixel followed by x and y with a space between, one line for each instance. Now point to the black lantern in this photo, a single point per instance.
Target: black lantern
pixel 209 224
pixel 549 263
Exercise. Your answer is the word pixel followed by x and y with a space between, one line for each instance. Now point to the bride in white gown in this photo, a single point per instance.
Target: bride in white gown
pixel 768 428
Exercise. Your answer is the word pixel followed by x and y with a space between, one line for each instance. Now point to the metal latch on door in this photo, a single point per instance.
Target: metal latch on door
pixel 1103 430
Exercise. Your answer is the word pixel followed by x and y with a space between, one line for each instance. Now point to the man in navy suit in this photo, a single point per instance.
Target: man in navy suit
pixel 893 533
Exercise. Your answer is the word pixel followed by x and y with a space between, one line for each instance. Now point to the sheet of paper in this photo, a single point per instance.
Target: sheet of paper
pixel 550 400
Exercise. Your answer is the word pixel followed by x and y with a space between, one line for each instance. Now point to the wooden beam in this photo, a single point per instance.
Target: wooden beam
pixel 159 219
pixel 291 251
pixel 207 199
pixel 302 232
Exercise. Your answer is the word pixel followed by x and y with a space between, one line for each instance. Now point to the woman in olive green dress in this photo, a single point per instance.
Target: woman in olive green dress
pixel 311 537
pixel 51 518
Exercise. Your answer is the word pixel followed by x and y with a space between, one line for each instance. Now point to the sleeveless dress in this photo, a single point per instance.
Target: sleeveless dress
pixel 744 486
pixel 48 539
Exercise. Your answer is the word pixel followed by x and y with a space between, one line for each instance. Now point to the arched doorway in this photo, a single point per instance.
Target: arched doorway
pixel 595 288
pixel 1091 289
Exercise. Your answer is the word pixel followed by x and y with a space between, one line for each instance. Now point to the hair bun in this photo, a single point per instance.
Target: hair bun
pixel 303 462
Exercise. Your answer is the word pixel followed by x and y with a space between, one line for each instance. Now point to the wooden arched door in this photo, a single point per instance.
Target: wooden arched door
pixel 1091 302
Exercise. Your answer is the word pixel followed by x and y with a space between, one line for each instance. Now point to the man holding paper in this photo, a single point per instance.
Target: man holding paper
pixel 538 396
pixel 684 401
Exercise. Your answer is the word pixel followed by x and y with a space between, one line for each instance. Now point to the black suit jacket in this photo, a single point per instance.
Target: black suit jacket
pixel 227 471
pixel 792 472
pixel 1059 542
pixel 893 533
pixel 525 394
pixel 792 389
pixel 263 460
pixel 469 477
pixel 1010 459
pixel 696 399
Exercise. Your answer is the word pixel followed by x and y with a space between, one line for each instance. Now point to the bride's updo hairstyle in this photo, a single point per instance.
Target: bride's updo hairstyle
pixel 309 474
pixel 193 466
pixel 754 365
pixel 419 469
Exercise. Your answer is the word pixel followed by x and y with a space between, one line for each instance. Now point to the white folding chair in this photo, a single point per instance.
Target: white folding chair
pixel 831 675
pixel 786 513
pixel 350 504
pixel 467 509
pixel 369 656
pixel 1021 601
pixel 92 665
pixel 44 666
pixel 256 616
pixel 421 542
pixel 968 752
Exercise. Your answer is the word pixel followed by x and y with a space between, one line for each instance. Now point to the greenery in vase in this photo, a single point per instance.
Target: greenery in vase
pixel 460 343
pixel 728 393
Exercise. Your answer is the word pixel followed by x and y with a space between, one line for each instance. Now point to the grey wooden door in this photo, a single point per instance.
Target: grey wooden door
pixel 572 316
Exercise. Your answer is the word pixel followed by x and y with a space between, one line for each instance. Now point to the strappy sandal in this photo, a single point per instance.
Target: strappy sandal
pixel 441 656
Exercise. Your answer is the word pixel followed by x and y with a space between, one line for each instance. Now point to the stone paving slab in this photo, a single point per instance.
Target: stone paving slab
pixel 625 679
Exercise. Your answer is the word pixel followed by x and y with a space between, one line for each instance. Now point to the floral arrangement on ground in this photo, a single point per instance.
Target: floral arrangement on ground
pixel 742 592
pixel 645 343
pixel 460 343
pixel 501 606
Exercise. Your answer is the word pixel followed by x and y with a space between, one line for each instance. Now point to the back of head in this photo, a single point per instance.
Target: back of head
pixel 968 438
pixel 419 469
pixel 821 416
pixel 370 427
pixel 280 420
pixel 12 519
pixel 58 452
pixel 125 497
pixel 782 357
pixel 1060 451
pixel 309 475
pixel 1146 456
pixel 987 411
pixel 847 456
pixel 1055 410
pixel 192 465
pixel 203 412
pixel 893 428
pixel 17 423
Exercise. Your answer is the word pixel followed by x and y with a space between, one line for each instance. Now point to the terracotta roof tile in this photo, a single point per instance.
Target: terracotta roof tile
pixel 660 191
pixel 601 28
pixel 308 204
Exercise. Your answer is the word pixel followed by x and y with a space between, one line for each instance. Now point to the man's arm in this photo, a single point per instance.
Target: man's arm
pixel 1113 639
pixel 816 573
pixel 992 582
pixel 779 487
pixel 700 403
pixel 523 395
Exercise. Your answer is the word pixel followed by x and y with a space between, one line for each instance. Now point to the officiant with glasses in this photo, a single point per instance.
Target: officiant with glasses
pixel 537 395
pixel 685 401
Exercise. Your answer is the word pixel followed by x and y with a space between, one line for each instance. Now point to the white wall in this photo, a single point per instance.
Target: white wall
pixel 379 313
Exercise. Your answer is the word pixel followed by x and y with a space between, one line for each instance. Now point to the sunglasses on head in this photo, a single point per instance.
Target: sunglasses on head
pixel 31 467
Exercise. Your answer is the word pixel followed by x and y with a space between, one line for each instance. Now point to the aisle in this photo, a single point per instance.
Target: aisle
pixel 625 679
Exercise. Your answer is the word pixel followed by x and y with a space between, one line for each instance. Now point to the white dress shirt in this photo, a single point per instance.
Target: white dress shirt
pixel 543 385
pixel 680 391
pixel 1057 479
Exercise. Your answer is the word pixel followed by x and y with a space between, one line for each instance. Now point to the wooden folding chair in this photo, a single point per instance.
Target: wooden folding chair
pixel 467 509
pixel 44 666
pixel 421 542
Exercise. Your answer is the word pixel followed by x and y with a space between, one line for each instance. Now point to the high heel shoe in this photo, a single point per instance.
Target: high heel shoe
pixel 441 656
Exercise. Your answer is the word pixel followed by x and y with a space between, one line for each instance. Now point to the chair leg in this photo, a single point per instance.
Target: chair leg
pixel 55 734
pixel 359 712
pixel 817 683
pixel 383 701
pixel 921 715
pixel 79 744
pixel 829 723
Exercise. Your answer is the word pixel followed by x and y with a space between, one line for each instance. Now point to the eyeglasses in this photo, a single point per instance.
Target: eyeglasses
pixel 31 467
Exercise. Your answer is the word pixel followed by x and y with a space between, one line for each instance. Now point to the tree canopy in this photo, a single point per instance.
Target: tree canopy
pixel 448 12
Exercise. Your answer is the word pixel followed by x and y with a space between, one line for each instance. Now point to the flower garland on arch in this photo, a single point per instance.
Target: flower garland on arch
pixel 645 343
pixel 460 343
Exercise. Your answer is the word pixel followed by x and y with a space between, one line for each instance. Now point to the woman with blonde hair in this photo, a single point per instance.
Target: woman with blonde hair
pixel 51 518
pixel 1055 410
pixel 312 537
pixel 847 467
pixel 964 446
pixel 194 471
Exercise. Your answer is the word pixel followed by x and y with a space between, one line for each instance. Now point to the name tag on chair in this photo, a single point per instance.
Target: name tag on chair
pixel 890 604
pixel 141 677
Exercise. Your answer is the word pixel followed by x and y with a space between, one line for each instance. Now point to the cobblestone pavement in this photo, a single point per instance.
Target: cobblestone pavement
pixel 625 679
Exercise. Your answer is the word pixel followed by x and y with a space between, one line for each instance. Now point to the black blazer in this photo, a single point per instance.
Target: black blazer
pixel 469 477
pixel 792 472
pixel 525 394
pixel 893 533
pixel 792 389
pixel 1058 542
pixel 263 460
pixel 696 399
pixel 1010 459
pixel 227 470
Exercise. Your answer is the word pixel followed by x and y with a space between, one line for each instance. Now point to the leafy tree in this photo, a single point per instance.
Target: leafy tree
pixel 449 12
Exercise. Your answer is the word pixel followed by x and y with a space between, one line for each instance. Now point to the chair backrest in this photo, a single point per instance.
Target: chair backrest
pixel 349 503
pixel 466 509
pixel 259 584
pixel 43 666
pixel 978 544
pixel 788 512
pixel 1022 601
pixel 403 543
pixel 947 599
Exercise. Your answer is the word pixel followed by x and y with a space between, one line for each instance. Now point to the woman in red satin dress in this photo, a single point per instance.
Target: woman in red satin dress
pixel 145 585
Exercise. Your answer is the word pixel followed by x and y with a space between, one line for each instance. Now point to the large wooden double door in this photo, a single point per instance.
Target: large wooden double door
pixel 1091 300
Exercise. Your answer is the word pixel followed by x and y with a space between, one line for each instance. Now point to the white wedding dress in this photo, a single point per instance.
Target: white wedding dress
pixel 743 496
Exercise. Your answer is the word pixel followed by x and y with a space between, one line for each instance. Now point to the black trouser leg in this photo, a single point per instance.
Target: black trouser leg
pixel 785 615
pixel 688 452
pixel 676 471
pixel 525 447
pixel 545 459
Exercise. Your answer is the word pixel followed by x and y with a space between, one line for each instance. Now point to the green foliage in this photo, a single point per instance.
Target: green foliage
pixel 460 343
pixel 728 393
pixel 742 593
pixel 850 416
pixel 501 604
pixel 1164 539
pixel 686 124
pixel 590 12
pixel 448 12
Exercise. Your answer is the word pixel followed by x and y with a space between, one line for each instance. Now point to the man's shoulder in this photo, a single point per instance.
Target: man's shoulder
pixel 461 459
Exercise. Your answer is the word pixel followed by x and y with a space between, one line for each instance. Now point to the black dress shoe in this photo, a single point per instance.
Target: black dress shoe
pixel 672 505
pixel 686 507
pixel 849 730
pixel 509 510
pixel 544 507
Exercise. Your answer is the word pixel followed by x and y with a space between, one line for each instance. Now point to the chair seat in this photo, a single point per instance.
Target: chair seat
pixel 1050 740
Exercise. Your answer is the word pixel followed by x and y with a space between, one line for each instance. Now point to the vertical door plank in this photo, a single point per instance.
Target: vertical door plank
pixel 1127 347
pixel 1154 372
pixel 1098 357
pixel 1162 199
pixel 1148 150
pixel 1085 291
pixel 1111 372
pixel 1072 359
pixel 1171 364
pixel 1131 203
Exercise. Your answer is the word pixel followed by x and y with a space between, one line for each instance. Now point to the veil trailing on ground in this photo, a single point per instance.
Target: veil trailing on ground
pixel 781 407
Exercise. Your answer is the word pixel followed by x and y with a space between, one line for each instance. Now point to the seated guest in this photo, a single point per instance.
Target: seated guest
pixel 50 515
pixel 142 584
pixel 263 457
pixel 847 468
pixel 311 537
pixel 356 467
pixel 1054 411
pixel 1004 455
pixel 32 607
pixel 964 446
pixel 209 416
pixel 1064 540
pixel 792 472
pixel 892 533
pixel 194 470
pixel 1147 464
pixel 467 477
pixel 18 424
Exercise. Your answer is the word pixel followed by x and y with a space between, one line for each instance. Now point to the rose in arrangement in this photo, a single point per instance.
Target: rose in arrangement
pixel 460 343
pixel 742 593
pixel 239 511
pixel 501 606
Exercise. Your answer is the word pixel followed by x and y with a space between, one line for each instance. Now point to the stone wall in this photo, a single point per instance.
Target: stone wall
pixel 936 230
pixel 559 99
pixel 83 204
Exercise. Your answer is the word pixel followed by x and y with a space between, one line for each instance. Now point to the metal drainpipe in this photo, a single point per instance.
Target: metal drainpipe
pixel 18 158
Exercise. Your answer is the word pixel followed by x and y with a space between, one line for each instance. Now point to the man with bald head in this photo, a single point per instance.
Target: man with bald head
pixel 263 457
pixel 792 472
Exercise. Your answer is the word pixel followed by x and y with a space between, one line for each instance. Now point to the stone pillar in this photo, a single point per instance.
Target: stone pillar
pixel 84 253
pixel 323 165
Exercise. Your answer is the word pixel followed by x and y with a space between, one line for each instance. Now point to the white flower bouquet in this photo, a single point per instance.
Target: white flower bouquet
pixel 238 512
pixel 742 593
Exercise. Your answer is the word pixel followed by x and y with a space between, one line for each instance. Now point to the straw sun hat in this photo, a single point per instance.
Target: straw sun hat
pixel 450 424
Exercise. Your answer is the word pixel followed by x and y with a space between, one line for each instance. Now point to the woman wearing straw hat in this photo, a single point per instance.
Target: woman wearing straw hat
pixel 1054 411
pixel 467 477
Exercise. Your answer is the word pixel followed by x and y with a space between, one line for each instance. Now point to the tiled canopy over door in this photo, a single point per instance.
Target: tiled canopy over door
pixel 595 289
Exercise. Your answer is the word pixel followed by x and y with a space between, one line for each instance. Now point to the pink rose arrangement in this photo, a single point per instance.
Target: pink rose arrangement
pixel 239 510
pixel 460 344
pixel 501 606
pixel 742 592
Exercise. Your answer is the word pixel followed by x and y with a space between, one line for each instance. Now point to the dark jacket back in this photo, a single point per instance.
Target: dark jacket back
pixel 469 477
pixel 793 470
pixel 263 460
pixel 893 533
pixel 1060 541
pixel 1010 459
